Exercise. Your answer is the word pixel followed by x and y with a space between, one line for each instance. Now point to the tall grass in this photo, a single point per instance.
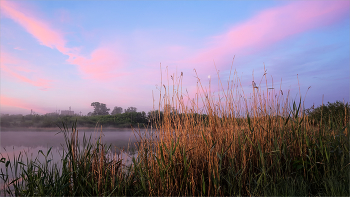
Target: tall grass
pixel 264 145
pixel 87 168
pixel 221 143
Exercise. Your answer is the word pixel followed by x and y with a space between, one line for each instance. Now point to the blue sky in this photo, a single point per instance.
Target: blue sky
pixel 57 54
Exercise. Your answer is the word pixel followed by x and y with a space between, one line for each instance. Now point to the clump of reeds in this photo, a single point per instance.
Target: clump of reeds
pixel 86 169
pixel 226 144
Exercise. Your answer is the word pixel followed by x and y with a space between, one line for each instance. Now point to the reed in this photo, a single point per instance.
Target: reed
pixel 87 169
pixel 214 144
pixel 226 144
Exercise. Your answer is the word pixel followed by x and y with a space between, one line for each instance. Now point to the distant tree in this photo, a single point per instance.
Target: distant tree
pixel 130 109
pixel 22 120
pixel 117 110
pixel 99 109
pixel 335 112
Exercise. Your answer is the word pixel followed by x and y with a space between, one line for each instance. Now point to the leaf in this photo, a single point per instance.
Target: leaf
pixel 48 152
pixel 246 137
pixel 203 184
pixel 249 123
pixel 173 151
pixel 205 139
pixel 299 167
pixel 287 120
pixel 40 151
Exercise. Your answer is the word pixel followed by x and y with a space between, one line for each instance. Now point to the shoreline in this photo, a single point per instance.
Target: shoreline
pixel 57 129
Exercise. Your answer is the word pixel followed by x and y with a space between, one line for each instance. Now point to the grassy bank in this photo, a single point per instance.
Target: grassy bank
pixel 124 120
pixel 265 145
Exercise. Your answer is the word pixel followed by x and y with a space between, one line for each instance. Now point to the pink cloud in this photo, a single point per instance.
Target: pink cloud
pixel 98 66
pixel 39 29
pixel 13 102
pixel 44 84
pixel 19 48
pixel 101 65
pixel 271 26
pixel 7 61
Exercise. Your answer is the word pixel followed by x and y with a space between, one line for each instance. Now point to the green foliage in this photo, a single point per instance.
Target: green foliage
pixel 128 119
pixel 99 109
pixel 118 120
pixel 155 117
pixel 117 110
pixel 131 109
pixel 336 112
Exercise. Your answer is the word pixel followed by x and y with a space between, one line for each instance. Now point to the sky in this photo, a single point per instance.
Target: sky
pixel 60 54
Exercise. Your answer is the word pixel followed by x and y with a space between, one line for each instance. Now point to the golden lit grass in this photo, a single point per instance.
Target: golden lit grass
pixel 251 137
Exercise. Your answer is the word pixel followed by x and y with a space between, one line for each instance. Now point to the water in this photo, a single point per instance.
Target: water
pixel 29 142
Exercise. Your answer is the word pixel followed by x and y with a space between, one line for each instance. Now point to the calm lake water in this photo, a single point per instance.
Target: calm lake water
pixel 29 142
pixel 33 140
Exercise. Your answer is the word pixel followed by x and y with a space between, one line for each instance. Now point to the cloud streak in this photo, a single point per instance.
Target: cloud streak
pixel 7 61
pixel 13 102
pixel 43 84
pixel 271 26
pixel 39 29
pixel 98 66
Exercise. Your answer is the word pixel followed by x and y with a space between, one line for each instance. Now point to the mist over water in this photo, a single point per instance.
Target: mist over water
pixel 52 138
pixel 28 143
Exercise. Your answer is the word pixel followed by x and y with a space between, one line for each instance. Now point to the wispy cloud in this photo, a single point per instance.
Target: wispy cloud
pixel 9 101
pixel 271 26
pixel 8 59
pixel 98 66
pixel 14 66
pixel 19 48
pixel 39 29
pixel 43 84
pixel 102 64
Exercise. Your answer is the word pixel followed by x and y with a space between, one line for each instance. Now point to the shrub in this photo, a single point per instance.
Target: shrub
pixel 337 112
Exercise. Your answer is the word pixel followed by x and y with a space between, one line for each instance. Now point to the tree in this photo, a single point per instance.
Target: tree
pixel 336 112
pixel 131 109
pixel 117 110
pixel 99 109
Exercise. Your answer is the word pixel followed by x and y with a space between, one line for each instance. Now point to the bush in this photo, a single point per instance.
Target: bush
pixel 336 112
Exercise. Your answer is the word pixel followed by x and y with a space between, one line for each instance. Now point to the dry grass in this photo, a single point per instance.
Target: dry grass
pixel 200 143
pixel 222 143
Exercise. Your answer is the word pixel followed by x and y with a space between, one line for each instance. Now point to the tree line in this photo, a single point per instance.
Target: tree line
pixel 101 109
pixel 118 118
pixel 131 118
pixel 100 116
pixel 123 120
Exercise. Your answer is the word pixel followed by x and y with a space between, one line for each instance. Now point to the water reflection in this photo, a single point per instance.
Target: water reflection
pixel 117 137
